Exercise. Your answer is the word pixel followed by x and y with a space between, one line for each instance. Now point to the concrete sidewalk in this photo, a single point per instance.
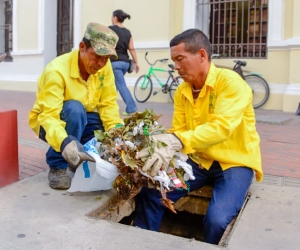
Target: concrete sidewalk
pixel 33 216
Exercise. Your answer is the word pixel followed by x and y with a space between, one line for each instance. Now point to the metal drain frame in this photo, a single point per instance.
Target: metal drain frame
pixel 115 209
pixel 231 226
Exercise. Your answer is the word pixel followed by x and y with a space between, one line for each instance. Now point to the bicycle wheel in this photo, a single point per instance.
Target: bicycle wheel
pixel 143 88
pixel 174 86
pixel 260 90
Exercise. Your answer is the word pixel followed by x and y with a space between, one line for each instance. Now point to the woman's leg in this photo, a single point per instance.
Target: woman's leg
pixel 120 68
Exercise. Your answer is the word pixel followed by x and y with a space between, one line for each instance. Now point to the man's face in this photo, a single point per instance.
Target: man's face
pixel 188 65
pixel 90 60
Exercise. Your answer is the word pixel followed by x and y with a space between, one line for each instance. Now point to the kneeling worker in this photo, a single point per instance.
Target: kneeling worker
pixel 76 95
pixel 214 123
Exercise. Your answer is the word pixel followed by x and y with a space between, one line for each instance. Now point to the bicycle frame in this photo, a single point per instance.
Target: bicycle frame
pixel 143 87
pixel 238 68
pixel 151 73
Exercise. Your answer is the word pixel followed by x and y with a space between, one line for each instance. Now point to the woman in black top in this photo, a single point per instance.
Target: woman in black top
pixel 121 65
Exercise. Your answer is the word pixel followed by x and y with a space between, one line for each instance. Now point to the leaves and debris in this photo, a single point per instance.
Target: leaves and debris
pixel 98 198
pixel 120 145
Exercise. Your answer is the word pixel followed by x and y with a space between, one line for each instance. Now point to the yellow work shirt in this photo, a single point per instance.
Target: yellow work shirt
pixel 220 124
pixel 60 82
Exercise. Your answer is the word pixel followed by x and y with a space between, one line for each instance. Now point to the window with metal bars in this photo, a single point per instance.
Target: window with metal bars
pixel 236 28
pixel 6 28
pixel 64 26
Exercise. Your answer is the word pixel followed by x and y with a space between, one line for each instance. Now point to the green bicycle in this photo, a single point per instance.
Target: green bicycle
pixel 144 86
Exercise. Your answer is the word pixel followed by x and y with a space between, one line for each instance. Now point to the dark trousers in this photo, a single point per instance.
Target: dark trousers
pixel 229 192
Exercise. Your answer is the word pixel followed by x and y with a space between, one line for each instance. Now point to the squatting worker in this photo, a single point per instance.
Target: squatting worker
pixel 76 95
pixel 214 123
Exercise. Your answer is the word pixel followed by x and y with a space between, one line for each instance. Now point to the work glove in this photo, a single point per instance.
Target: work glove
pixel 162 155
pixel 74 153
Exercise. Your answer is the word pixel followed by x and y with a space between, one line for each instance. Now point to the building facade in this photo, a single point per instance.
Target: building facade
pixel 265 33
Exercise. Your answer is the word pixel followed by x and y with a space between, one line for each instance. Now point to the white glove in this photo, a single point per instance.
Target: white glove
pixel 162 155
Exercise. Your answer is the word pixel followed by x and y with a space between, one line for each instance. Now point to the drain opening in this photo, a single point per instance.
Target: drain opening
pixel 187 223
pixel 182 224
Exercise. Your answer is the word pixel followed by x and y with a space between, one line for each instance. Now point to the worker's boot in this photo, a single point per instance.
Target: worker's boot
pixel 59 179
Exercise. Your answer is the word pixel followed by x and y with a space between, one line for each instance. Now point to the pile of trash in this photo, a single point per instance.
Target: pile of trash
pixel 119 147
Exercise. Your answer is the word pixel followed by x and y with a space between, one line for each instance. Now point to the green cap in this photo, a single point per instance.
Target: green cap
pixel 103 39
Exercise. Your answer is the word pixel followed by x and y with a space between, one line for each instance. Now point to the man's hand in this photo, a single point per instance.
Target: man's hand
pixel 162 155
pixel 73 152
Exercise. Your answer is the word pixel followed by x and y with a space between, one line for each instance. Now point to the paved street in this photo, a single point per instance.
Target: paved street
pixel 279 131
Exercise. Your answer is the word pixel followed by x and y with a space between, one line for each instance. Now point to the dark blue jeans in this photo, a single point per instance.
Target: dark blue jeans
pixel 79 123
pixel 120 68
pixel 229 192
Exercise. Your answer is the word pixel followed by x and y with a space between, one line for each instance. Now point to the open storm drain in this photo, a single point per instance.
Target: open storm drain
pixel 187 223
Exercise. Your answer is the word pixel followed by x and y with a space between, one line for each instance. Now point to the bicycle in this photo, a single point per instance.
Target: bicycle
pixel 144 85
pixel 260 87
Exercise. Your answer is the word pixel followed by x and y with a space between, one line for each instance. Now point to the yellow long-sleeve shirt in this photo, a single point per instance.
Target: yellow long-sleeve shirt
pixel 61 81
pixel 220 124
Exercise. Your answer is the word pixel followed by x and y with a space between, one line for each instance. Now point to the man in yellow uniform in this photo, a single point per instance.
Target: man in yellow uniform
pixel 76 95
pixel 214 123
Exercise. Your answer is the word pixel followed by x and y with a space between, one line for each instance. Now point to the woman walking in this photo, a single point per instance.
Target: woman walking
pixel 121 65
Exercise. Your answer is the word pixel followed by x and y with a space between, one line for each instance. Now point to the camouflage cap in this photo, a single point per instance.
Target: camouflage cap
pixel 103 39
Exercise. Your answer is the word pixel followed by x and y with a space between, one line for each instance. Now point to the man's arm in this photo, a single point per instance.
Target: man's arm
pixel 50 99
pixel 133 54
pixel 230 99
